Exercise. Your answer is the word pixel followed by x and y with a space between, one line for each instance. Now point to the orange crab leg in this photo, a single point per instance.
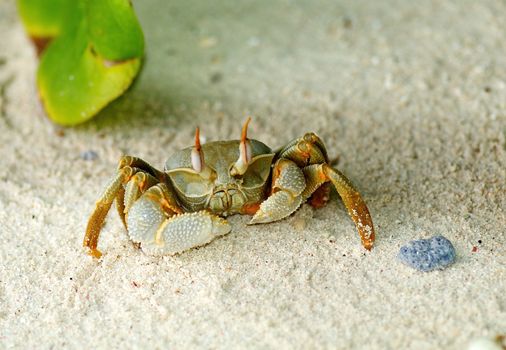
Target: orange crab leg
pixel 318 174
pixel 102 208
pixel 128 167
pixel 310 154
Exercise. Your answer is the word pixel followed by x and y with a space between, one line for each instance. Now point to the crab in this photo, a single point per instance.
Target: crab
pixel 184 206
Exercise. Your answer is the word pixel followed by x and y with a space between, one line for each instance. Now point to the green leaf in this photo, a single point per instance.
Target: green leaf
pixel 43 18
pixel 93 60
pixel 109 21
pixel 47 19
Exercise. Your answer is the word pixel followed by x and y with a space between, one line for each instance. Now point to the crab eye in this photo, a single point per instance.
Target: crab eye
pixel 245 154
pixel 241 165
pixel 197 157
pixel 196 160
pixel 245 151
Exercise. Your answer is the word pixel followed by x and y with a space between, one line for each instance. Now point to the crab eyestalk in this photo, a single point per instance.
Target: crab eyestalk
pixel 197 158
pixel 241 165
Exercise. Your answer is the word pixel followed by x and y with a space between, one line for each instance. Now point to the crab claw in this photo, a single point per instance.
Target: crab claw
pixel 158 234
pixel 245 155
pixel 276 207
pixel 289 183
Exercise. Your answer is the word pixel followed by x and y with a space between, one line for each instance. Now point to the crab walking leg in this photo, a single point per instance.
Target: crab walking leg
pixel 135 187
pixel 102 208
pixel 135 162
pixel 160 229
pixel 120 204
pixel 288 184
pixel 317 174
pixel 148 170
pixel 356 206
pixel 165 198
pixel 305 150
pixel 309 152
pixel 156 204
pixel 128 193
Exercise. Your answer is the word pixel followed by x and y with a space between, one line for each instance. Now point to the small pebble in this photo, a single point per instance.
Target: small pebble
pixel 89 155
pixel 428 254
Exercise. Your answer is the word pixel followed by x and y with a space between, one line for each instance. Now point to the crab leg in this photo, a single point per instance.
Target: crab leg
pixel 135 187
pixel 120 204
pixel 128 193
pixel 127 168
pixel 318 174
pixel 305 150
pixel 356 206
pixel 135 162
pixel 288 179
pixel 158 224
pixel 288 185
pixel 102 208
pixel 149 172
pixel 309 152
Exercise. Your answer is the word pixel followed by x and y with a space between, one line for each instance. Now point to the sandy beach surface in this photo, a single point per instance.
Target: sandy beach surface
pixel 411 96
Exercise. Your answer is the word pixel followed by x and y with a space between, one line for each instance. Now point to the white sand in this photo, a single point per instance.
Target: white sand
pixel 411 97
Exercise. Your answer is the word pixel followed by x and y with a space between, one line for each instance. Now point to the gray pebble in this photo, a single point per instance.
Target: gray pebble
pixel 428 254
pixel 89 155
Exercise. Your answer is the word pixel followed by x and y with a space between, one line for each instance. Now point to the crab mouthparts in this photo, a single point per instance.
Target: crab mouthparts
pixel 226 201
